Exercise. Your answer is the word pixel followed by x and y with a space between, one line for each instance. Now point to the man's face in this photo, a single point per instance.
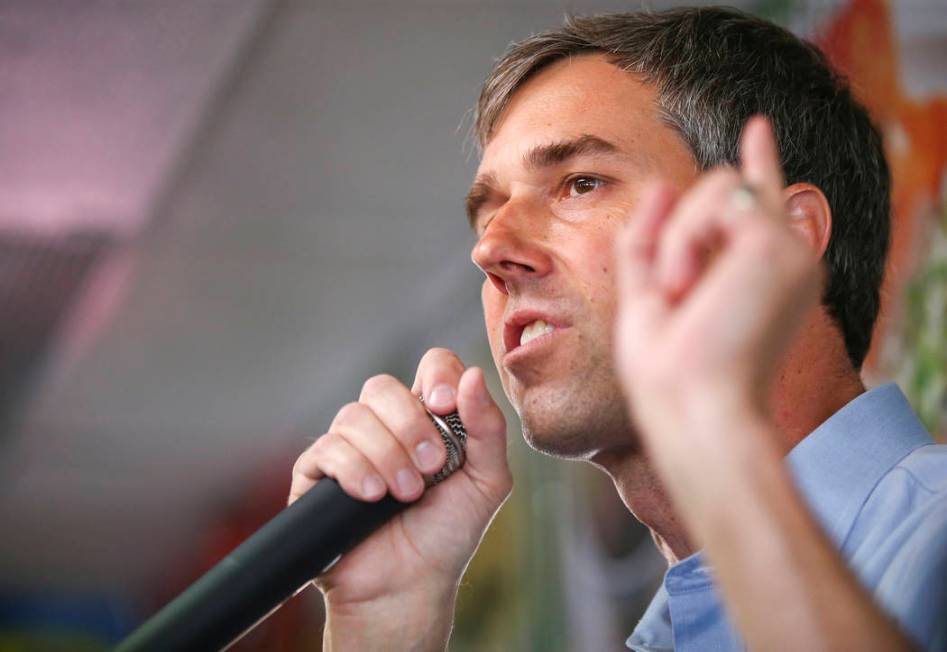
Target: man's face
pixel 561 173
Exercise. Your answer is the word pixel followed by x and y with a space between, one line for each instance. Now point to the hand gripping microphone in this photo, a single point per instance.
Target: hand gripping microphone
pixel 277 561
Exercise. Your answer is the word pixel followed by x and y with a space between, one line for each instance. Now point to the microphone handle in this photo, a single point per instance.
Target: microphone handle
pixel 266 569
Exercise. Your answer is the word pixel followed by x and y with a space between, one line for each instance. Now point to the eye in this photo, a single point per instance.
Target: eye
pixel 583 185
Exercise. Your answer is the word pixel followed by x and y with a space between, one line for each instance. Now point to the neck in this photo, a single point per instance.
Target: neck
pixel 814 383
pixel 644 496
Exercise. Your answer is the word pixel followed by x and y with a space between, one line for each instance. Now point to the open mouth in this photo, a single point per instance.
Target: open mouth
pixel 524 329
pixel 533 330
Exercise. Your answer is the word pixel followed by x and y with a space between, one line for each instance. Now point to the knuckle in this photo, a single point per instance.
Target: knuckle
pixel 439 353
pixel 348 412
pixel 435 362
pixel 378 383
pixel 305 459
pixel 379 447
pixel 320 448
pixel 438 359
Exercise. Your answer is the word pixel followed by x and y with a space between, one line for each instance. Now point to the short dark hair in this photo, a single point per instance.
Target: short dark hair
pixel 716 67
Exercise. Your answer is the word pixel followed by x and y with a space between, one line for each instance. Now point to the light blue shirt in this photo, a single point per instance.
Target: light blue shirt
pixel 878 484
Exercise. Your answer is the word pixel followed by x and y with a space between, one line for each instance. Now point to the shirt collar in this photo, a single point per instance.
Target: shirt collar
pixel 835 469
pixel 838 464
pixel 653 633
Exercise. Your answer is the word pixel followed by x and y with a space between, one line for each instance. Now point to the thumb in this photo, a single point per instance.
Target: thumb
pixel 486 429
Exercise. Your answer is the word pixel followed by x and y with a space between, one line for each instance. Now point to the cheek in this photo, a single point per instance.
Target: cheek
pixel 600 293
pixel 599 273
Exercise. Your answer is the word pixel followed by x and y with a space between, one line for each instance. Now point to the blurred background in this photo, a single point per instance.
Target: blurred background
pixel 218 218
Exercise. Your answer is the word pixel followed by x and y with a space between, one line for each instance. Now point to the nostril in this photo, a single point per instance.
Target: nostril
pixel 498 282
pixel 510 266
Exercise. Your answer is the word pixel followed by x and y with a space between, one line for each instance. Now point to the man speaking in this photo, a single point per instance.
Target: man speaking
pixel 683 219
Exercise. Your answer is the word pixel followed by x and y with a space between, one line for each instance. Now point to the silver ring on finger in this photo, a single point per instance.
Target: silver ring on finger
pixel 744 197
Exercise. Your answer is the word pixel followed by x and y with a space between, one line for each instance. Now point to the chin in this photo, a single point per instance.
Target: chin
pixel 561 445
pixel 576 424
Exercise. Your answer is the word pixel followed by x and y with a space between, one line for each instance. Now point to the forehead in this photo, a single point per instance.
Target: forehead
pixel 575 96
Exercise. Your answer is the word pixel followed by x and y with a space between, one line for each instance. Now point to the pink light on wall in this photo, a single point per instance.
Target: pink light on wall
pixel 97 103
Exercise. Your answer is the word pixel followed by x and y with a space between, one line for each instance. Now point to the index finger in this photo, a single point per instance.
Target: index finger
pixel 437 379
pixel 759 162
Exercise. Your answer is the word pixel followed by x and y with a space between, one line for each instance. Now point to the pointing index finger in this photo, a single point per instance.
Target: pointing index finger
pixel 759 162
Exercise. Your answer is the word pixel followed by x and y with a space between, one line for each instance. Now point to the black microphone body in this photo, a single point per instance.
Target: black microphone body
pixel 274 563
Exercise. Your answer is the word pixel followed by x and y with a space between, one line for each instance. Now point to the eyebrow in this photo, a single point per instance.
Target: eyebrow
pixel 480 191
pixel 541 156
pixel 544 156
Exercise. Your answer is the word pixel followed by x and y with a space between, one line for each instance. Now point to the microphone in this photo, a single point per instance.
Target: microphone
pixel 277 561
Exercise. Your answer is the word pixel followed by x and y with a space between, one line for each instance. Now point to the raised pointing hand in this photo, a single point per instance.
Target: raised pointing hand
pixel 712 288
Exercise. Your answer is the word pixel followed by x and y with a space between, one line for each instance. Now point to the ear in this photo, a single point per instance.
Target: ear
pixel 809 215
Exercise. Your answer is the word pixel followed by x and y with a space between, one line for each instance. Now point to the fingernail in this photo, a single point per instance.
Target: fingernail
pixel 427 455
pixel 441 397
pixel 408 481
pixel 372 485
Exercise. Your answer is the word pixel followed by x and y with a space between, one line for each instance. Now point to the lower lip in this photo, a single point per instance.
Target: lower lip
pixel 534 345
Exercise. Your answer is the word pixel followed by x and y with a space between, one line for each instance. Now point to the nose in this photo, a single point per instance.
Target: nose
pixel 511 251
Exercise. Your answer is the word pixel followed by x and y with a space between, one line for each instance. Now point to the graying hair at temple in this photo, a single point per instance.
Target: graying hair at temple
pixel 714 68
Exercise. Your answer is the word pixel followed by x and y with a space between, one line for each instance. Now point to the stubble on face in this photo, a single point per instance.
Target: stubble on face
pixel 579 416
pixel 571 404
pixel 569 399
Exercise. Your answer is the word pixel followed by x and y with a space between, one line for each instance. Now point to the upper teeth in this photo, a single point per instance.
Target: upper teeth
pixel 534 330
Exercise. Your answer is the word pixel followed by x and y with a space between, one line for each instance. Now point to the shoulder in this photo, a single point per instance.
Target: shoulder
pixel 914 496
pixel 908 499
pixel 927 466
pixel 913 584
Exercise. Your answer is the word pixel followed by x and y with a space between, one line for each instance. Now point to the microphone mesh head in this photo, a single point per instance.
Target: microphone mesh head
pixel 454 437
